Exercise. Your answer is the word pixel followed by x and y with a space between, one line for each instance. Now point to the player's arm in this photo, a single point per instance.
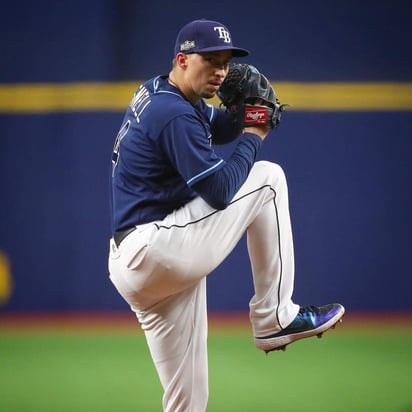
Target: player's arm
pixel 253 105
pixel 186 146
pixel 219 188
pixel 224 129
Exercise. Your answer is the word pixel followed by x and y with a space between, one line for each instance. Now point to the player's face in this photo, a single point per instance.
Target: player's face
pixel 206 72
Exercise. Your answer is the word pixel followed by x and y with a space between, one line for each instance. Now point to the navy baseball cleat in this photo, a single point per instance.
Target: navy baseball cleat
pixel 310 321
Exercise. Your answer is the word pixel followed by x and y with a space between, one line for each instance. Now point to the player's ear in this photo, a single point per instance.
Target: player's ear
pixel 181 60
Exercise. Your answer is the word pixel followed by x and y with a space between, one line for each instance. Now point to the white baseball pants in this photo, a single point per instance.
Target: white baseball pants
pixel 160 270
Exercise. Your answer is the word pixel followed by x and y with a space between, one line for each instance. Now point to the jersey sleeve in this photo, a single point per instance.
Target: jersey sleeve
pixel 218 189
pixel 224 129
pixel 187 142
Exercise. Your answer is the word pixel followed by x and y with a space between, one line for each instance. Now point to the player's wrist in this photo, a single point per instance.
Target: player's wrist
pixel 261 131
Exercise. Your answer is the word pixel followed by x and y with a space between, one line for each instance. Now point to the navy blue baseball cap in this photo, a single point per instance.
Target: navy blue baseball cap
pixel 202 36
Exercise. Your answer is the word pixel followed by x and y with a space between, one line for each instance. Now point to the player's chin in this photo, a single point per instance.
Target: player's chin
pixel 208 94
pixel 210 90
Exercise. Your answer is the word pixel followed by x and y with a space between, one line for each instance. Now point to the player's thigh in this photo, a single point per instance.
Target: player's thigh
pixel 195 239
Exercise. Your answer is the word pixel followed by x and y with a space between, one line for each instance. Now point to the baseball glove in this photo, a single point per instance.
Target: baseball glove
pixel 250 98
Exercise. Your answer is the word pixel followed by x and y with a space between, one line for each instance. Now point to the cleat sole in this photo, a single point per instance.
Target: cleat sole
pixel 282 348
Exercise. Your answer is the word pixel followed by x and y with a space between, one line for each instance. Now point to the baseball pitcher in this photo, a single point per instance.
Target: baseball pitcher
pixel 178 210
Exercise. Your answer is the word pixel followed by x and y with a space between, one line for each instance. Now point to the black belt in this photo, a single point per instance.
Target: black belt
pixel 120 235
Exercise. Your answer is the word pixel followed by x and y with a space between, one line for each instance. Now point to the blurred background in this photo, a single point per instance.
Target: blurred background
pixel 67 72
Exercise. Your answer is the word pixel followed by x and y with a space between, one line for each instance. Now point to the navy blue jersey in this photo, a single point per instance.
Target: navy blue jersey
pixel 162 150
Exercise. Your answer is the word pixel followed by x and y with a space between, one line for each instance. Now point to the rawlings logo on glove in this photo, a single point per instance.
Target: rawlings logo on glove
pixel 249 97
pixel 255 115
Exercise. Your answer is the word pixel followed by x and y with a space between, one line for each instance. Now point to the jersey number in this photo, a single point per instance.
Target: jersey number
pixel 122 133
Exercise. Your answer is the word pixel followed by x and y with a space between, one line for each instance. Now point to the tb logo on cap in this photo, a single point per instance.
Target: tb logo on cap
pixel 223 34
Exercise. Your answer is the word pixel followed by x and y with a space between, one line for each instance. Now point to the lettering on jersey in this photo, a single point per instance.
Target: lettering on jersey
pixel 122 133
pixel 139 102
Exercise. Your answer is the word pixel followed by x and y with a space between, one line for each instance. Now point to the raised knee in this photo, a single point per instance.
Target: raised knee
pixel 270 170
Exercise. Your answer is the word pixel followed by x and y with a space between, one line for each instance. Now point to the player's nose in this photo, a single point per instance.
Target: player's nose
pixel 221 72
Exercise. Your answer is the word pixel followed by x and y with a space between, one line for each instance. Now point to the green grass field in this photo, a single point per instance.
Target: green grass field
pixel 103 369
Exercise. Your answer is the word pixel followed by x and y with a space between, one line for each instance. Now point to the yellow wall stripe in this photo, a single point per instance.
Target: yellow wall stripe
pixel 40 98
pixel 347 96
pixel 5 278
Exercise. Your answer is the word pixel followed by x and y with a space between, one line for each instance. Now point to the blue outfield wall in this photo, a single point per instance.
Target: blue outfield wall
pixel 349 172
